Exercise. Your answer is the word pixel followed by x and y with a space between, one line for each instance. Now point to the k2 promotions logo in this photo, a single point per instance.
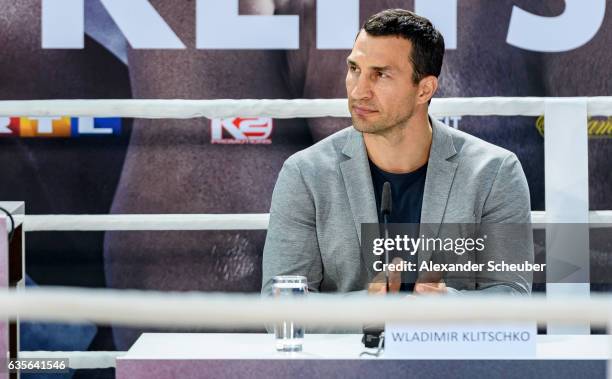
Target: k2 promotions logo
pixel 241 130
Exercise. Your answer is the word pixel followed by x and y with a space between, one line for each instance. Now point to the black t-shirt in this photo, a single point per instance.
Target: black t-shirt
pixel 407 202
pixel 406 193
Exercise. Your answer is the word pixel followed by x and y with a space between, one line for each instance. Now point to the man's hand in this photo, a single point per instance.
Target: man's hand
pixel 378 285
pixel 436 288
pixel 425 286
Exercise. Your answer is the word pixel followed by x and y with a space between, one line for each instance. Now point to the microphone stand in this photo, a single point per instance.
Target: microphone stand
pixel 373 335
pixel 386 227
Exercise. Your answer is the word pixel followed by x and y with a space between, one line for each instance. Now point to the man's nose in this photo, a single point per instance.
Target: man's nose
pixel 362 89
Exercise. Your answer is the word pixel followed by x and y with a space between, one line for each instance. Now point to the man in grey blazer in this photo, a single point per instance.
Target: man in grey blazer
pixel 325 193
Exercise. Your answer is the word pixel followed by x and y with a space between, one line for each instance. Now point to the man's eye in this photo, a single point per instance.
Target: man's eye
pixel 381 74
pixel 352 68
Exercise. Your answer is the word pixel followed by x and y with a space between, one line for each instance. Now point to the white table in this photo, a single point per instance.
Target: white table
pixel 159 355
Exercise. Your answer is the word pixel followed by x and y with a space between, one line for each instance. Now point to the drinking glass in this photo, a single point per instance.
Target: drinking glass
pixel 289 336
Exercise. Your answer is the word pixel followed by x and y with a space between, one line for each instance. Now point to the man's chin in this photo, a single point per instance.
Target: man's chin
pixel 360 124
pixel 360 128
pixel 366 127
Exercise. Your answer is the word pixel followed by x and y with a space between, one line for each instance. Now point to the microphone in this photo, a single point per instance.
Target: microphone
pixel 373 334
pixel 385 200
pixel 385 210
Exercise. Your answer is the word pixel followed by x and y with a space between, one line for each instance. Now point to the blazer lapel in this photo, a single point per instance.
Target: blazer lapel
pixel 440 176
pixel 358 181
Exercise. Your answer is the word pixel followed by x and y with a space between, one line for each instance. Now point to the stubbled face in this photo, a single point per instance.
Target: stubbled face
pixel 379 83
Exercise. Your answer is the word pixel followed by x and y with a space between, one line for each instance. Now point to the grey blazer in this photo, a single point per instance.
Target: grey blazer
pixel 324 193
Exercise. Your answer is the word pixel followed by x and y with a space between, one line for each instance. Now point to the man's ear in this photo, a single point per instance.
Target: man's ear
pixel 427 87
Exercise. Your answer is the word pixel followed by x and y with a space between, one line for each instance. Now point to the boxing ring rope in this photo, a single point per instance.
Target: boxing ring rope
pixel 222 310
pixel 164 309
pixel 296 108
pixel 151 308
pixel 236 221
pixel 221 108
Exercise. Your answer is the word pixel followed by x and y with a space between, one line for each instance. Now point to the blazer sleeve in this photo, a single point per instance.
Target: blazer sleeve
pixel 508 200
pixel 291 246
pixel 506 220
pixel 506 216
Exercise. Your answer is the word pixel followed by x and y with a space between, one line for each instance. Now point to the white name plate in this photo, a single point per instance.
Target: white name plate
pixel 461 341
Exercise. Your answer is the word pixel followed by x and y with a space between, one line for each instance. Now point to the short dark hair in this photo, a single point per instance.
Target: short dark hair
pixel 427 41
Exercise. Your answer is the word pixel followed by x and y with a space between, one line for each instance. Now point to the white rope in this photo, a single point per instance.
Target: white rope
pixel 195 309
pixel 510 106
pixel 595 218
pixel 78 359
pixel 297 108
pixel 145 222
pixel 177 108
pixel 247 221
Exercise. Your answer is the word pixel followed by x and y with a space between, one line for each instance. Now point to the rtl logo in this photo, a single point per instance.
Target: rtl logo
pixel 58 126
